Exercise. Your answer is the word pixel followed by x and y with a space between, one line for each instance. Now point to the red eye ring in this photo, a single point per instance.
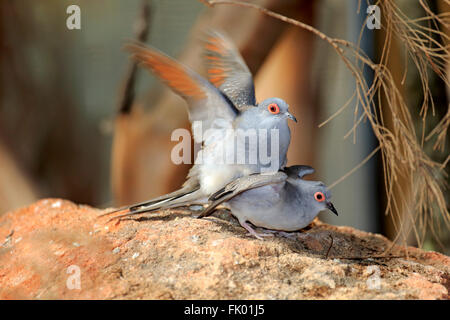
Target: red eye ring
pixel 319 196
pixel 273 108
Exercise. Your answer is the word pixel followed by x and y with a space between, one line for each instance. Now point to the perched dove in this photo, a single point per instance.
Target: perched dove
pixel 227 116
pixel 282 201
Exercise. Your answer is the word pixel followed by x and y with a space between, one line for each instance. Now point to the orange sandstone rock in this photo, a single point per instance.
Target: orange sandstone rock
pixel 55 249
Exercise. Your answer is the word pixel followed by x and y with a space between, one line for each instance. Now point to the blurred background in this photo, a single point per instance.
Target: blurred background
pixel 64 131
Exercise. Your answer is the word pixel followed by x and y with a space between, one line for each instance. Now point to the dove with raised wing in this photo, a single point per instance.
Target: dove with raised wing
pixel 229 120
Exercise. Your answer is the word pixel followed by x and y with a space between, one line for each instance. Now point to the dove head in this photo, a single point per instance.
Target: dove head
pixel 315 195
pixel 276 107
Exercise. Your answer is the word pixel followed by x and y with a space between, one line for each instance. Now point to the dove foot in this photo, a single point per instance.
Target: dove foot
pixel 253 232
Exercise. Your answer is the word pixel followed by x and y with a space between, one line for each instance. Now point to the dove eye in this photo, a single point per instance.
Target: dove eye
pixel 319 196
pixel 273 108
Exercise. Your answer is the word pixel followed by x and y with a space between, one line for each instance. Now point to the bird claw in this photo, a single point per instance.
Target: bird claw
pixel 252 232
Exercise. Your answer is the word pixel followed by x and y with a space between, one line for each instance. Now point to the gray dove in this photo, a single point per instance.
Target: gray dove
pixel 228 118
pixel 282 201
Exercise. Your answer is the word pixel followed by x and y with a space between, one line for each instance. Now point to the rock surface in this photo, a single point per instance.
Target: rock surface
pixel 55 249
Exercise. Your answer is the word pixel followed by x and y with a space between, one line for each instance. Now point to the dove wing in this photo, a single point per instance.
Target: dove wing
pixel 240 185
pixel 298 171
pixel 205 102
pixel 227 70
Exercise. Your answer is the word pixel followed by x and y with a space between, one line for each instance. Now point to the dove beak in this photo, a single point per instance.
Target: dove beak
pixel 290 116
pixel 332 208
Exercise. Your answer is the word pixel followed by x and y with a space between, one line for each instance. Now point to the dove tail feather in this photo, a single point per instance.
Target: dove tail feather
pixel 180 201
pixel 183 200
pixel 175 199
pixel 156 201
pixel 160 200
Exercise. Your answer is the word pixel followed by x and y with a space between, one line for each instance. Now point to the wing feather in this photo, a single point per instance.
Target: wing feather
pixel 240 185
pixel 227 70
pixel 205 102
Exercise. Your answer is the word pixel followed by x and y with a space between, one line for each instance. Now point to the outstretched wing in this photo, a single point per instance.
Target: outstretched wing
pixel 240 185
pixel 205 102
pixel 228 71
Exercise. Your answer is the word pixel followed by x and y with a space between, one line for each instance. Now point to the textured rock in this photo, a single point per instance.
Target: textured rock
pixel 170 255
